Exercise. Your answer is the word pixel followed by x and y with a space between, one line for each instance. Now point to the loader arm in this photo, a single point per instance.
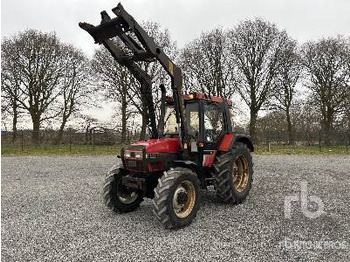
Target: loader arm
pixel 145 49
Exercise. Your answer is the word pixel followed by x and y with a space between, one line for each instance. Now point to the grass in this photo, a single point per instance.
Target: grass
pixel 302 150
pixel 62 150
pixel 58 150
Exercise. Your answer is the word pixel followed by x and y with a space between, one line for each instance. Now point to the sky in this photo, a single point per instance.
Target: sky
pixel 303 19
pixel 186 19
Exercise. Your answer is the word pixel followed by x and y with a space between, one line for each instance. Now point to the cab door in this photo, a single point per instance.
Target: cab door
pixel 193 131
pixel 214 129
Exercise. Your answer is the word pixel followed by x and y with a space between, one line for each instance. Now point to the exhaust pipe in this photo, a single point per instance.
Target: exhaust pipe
pixel 162 111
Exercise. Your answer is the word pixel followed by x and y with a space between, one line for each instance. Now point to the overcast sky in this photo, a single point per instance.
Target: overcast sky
pixel 185 19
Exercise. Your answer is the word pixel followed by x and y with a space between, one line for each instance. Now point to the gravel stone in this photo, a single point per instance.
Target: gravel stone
pixel 52 211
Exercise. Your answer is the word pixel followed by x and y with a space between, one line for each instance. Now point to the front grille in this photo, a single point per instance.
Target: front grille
pixel 134 164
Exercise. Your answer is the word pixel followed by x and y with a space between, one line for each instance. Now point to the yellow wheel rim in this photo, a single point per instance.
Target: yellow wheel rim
pixel 240 173
pixel 184 199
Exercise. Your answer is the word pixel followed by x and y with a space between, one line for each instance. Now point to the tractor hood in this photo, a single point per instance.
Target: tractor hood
pixel 164 145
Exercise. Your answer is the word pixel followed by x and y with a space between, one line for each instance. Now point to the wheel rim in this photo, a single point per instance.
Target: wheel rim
pixel 125 196
pixel 184 199
pixel 240 173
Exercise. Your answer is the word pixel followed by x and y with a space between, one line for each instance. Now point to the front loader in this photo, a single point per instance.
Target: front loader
pixel 192 147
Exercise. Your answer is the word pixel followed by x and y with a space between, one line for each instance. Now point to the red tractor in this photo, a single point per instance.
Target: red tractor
pixel 192 147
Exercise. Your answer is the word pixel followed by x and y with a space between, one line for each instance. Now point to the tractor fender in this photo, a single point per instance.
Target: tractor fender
pixel 186 163
pixel 230 140
pixel 245 139
pixel 115 168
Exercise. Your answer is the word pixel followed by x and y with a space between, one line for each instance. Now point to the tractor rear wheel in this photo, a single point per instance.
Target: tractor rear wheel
pixel 177 197
pixel 116 196
pixel 233 174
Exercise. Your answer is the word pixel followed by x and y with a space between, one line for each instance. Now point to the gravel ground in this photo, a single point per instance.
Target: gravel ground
pixel 52 211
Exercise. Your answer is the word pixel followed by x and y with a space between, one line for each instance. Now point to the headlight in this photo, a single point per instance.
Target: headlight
pixel 138 154
pixel 133 154
pixel 127 154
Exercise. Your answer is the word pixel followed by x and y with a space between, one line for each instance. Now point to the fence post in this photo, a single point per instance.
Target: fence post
pixel 269 145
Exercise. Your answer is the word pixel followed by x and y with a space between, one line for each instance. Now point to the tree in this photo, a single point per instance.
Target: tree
pixel 5 113
pixel 74 87
pixel 9 105
pixel 155 70
pixel 346 118
pixel 326 63
pixel 115 81
pixel 118 83
pixel 32 64
pixel 271 127
pixel 10 91
pixel 255 47
pixel 206 66
pixel 288 74
pixel 306 121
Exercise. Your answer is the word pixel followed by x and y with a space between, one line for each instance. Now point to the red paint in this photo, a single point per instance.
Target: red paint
pixel 226 142
pixel 156 166
pixel 164 145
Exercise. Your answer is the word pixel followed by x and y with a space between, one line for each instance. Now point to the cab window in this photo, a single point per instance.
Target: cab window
pixel 192 118
pixel 170 125
pixel 213 122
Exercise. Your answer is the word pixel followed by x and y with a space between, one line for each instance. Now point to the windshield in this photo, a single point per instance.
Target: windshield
pixel 192 116
pixel 170 125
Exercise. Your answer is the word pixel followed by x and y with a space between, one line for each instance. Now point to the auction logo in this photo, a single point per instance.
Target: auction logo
pixel 296 244
pixel 304 200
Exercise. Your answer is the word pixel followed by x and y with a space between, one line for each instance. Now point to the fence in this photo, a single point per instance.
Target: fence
pixel 92 139
pixel 71 139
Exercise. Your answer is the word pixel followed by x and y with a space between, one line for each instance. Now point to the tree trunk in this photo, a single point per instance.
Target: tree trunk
pixel 60 132
pixel 14 122
pixel 36 128
pixel 327 126
pixel 91 136
pixel 87 134
pixel 252 125
pixel 290 128
pixel 124 105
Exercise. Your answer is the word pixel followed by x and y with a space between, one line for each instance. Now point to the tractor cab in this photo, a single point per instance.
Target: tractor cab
pixel 208 121
pixel 208 129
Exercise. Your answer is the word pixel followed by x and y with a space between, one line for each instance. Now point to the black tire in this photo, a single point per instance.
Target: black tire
pixel 168 187
pixel 113 190
pixel 223 172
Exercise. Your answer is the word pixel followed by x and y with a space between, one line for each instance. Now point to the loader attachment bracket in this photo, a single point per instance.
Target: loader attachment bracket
pixel 141 48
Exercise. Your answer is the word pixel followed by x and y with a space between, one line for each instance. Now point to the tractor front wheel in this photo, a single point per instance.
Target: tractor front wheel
pixel 177 197
pixel 116 196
